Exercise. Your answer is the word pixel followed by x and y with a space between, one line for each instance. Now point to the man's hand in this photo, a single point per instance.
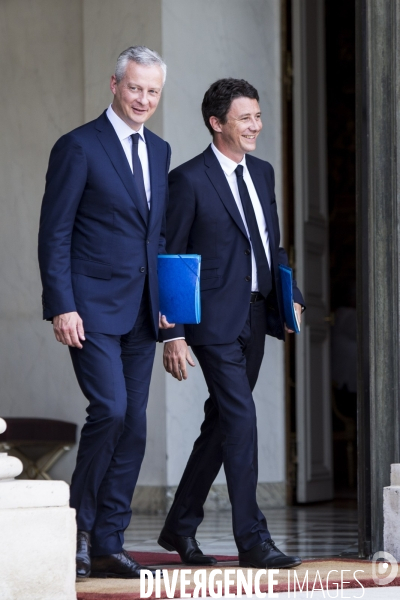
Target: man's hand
pixel 176 353
pixel 68 329
pixel 163 323
pixel 298 309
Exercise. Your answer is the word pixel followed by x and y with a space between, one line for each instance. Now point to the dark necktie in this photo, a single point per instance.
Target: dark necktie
pixel 263 270
pixel 138 174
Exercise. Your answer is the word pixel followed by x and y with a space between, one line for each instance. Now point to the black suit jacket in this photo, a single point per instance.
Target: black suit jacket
pixel 95 245
pixel 203 218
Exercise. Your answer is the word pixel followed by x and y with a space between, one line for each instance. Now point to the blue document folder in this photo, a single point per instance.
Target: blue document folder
pixel 179 287
pixel 287 295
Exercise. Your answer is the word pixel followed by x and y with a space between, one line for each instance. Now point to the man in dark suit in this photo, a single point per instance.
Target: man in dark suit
pixel 101 229
pixel 222 206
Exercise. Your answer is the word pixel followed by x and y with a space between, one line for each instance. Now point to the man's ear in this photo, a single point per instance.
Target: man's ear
pixel 214 122
pixel 113 84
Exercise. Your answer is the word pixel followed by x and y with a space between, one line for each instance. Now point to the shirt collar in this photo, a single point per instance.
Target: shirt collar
pixel 228 165
pixel 122 130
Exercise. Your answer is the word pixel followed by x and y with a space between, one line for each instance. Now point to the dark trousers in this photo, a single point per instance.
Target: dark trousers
pixel 114 373
pixel 228 436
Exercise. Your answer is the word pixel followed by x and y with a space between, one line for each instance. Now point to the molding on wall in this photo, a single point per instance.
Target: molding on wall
pixel 153 499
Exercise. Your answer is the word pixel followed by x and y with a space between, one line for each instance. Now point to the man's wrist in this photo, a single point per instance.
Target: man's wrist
pixel 173 339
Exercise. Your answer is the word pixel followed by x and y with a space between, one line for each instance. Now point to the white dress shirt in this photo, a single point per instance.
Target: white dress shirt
pixel 124 133
pixel 228 166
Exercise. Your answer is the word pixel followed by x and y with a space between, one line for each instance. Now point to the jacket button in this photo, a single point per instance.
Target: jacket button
pixel 247 252
pixel 247 278
pixel 142 269
pixel 147 241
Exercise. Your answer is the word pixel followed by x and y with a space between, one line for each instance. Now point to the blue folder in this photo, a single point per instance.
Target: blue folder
pixel 179 287
pixel 287 295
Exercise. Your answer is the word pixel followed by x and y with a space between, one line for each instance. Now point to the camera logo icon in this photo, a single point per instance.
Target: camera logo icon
pixel 384 568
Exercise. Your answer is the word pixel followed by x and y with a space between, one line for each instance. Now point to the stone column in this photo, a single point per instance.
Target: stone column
pixel 38 536
pixel 378 177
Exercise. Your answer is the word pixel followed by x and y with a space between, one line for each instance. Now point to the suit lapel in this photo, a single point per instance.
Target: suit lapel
pixel 260 184
pixel 218 179
pixel 153 164
pixel 111 144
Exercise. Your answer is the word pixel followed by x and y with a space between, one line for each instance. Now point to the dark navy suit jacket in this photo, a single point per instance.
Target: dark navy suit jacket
pixel 203 218
pixel 95 248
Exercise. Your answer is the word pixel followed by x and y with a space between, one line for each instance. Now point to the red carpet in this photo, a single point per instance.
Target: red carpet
pixel 326 574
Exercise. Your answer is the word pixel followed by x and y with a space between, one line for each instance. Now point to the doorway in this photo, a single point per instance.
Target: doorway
pixel 321 369
pixel 340 85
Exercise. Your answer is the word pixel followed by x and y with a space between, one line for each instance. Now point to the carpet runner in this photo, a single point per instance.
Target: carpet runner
pixel 325 574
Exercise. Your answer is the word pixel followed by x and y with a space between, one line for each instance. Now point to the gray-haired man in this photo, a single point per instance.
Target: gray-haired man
pixel 101 229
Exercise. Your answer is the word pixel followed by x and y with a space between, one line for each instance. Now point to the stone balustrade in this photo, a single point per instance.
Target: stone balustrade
pixel 10 466
pixel 38 536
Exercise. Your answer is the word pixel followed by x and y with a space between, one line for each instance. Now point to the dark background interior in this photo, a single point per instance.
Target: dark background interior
pixel 341 173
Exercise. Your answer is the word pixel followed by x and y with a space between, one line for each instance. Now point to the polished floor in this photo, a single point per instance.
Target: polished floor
pixel 313 531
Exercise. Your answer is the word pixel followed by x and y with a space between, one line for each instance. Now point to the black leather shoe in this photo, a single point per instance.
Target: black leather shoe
pixel 267 556
pixel 187 547
pixel 83 554
pixel 120 566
